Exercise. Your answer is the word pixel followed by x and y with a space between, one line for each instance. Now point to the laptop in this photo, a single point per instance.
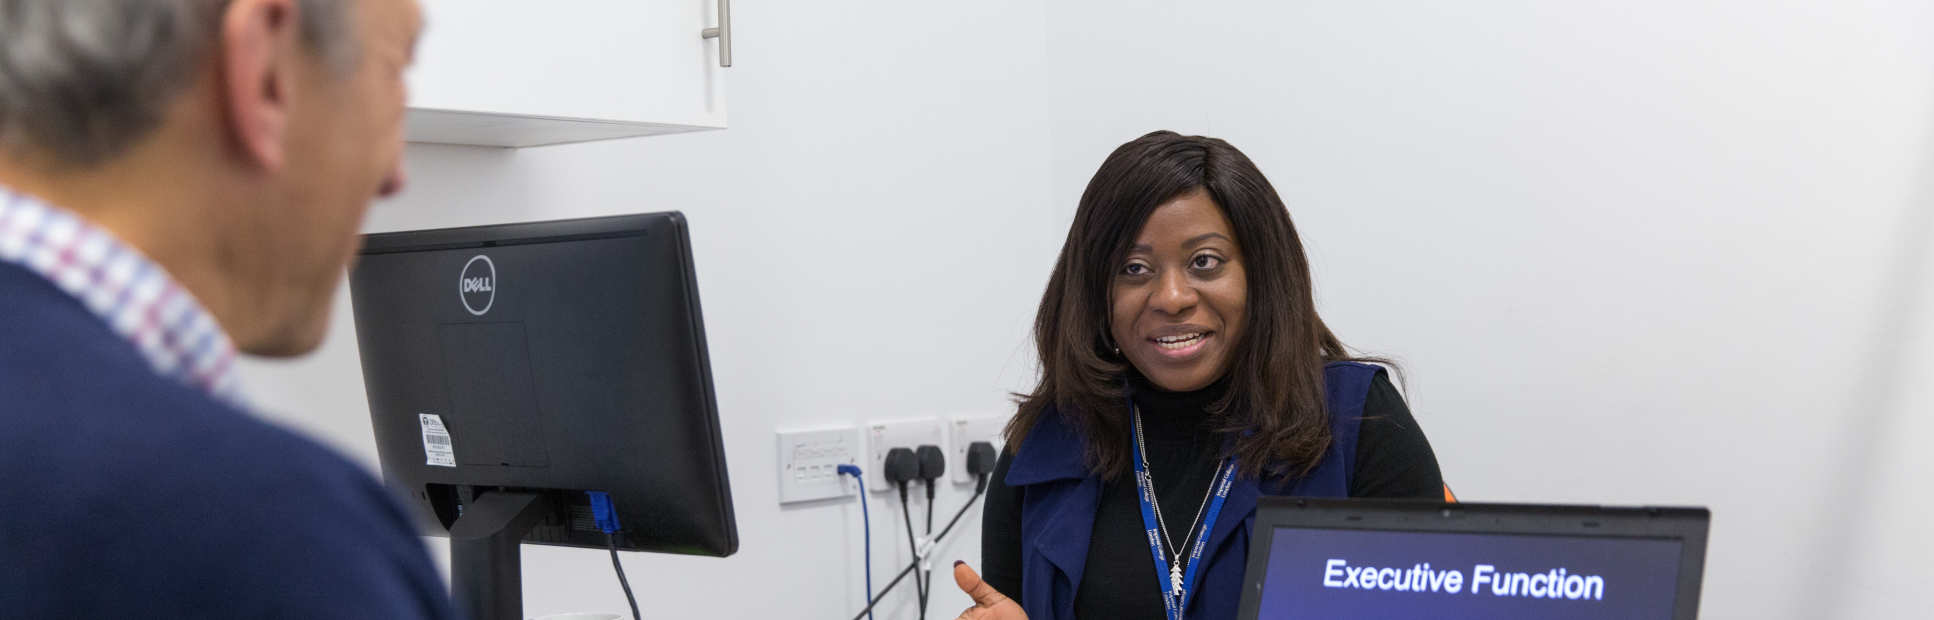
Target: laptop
pixel 1369 559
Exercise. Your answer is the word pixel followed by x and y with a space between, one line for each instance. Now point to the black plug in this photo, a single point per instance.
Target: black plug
pixel 901 467
pixel 980 463
pixel 933 465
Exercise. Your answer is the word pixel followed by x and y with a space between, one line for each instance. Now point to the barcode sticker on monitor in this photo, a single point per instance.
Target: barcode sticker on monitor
pixel 437 450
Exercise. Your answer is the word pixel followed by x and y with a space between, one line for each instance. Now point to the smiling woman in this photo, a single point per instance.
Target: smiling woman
pixel 1178 336
pixel 1180 236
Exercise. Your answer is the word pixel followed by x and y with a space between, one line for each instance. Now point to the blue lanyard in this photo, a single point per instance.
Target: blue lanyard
pixel 1174 604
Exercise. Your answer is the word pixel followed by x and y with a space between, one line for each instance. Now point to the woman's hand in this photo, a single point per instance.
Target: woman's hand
pixel 989 604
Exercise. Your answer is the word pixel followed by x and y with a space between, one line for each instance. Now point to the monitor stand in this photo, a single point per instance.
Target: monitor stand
pixel 486 568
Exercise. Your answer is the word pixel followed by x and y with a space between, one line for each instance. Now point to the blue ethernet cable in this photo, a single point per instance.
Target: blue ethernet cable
pixel 866 521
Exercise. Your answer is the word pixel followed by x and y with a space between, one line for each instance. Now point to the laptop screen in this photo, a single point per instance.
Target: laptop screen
pixel 1370 574
pixel 1342 559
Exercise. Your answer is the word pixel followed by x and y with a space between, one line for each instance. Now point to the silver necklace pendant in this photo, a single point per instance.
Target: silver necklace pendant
pixel 1175 580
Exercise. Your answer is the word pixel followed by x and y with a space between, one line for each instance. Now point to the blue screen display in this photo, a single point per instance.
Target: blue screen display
pixel 1379 574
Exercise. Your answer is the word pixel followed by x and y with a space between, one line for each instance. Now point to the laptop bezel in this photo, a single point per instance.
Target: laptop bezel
pixel 1687 525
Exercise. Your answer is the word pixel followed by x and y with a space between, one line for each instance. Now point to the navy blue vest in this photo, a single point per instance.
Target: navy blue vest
pixel 1059 497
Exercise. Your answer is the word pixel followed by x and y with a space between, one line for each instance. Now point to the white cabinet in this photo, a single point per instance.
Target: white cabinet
pixel 525 73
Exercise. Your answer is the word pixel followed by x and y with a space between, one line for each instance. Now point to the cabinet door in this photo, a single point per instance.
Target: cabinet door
pixel 524 72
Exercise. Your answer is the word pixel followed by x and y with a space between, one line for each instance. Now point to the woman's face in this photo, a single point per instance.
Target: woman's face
pixel 1179 299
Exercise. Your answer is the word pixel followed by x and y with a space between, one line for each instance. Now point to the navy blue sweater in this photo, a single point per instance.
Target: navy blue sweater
pixel 124 494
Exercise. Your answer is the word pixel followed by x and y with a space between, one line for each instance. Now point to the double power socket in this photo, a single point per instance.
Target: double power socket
pixel 809 459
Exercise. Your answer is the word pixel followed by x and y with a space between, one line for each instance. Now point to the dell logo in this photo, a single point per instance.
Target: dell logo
pixel 477 285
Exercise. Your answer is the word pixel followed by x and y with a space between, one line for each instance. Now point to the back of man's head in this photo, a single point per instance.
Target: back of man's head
pixel 236 142
pixel 80 80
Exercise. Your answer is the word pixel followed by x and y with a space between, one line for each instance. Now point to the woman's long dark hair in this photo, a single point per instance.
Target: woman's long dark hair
pixel 1276 372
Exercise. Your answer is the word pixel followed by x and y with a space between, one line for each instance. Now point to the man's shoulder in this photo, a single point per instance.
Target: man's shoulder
pixel 71 387
pixel 50 336
pixel 222 517
pixel 166 500
pixel 74 390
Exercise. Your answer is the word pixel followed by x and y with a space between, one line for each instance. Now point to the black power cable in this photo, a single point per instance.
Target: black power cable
pixel 980 463
pixel 979 491
pixel 906 514
pixel 611 541
pixel 889 587
pixel 903 467
pixel 933 465
pixel 606 516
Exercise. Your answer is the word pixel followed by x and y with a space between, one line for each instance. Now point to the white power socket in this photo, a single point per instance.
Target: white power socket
pixel 809 462
pixel 967 430
pixel 909 434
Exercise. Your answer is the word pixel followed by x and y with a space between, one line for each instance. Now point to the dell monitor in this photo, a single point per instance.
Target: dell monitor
pixel 513 369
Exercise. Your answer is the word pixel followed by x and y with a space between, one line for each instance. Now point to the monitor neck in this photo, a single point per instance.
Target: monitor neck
pixel 486 569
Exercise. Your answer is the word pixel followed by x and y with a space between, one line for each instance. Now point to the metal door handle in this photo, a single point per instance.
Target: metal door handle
pixel 723 33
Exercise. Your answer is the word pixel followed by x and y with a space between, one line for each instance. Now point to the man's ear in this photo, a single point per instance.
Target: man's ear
pixel 258 45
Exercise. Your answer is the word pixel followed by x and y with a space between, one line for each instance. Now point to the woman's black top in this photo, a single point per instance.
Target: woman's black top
pixel 1392 460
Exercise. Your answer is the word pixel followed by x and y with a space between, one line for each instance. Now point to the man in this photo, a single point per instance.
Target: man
pixel 180 180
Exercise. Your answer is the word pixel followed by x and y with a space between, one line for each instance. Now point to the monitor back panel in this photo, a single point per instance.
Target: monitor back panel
pixel 562 356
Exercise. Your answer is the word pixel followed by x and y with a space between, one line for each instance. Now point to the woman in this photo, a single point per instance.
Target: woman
pixel 1180 349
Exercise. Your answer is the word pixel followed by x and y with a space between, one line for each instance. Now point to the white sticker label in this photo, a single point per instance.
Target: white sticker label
pixel 436 441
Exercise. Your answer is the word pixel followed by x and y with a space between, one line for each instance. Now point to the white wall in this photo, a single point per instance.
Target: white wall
pixel 1660 252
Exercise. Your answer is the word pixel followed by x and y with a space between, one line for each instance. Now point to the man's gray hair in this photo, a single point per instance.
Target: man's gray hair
pixel 83 80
